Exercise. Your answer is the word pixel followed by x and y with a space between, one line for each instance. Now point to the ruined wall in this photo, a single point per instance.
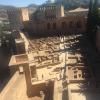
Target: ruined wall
pixel 46 88
pixel 34 88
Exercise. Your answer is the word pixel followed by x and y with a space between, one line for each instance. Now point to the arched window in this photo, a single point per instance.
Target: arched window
pixel 48 26
pixel 54 26
pixel 70 24
pixel 63 25
pixel 78 24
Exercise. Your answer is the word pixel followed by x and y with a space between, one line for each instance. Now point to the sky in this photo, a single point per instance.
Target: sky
pixel 21 3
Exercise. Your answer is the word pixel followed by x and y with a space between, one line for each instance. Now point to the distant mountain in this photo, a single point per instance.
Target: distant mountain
pixel 33 5
pixel 32 8
pixel 68 4
pixel 6 7
pixel 75 3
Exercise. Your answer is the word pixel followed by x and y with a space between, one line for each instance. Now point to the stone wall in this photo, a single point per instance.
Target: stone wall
pixel 46 88
pixel 34 88
pixel 69 24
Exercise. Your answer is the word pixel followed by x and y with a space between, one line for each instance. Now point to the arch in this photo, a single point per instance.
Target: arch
pixel 48 26
pixel 54 26
pixel 71 24
pixel 63 24
pixel 78 24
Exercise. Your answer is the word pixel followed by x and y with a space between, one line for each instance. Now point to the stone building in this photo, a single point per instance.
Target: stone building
pixel 50 22
pixel 68 24
pixel 49 12
pixel 16 17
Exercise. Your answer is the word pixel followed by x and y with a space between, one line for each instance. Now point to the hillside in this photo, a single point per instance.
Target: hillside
pixel 32 8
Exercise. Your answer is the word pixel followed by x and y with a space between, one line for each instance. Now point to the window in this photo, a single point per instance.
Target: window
pixel 78 24
pixel 48 26
pixel 71 24
pixel 63 24
pixel 75 76
pixel 54 25
pixel 79 75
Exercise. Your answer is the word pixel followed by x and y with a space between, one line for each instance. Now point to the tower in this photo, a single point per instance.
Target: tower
pixel 60 11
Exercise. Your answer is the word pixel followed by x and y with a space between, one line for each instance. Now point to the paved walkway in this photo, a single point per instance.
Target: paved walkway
pixel 16 89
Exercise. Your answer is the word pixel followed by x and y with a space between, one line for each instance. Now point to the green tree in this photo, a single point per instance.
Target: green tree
pixel 89 19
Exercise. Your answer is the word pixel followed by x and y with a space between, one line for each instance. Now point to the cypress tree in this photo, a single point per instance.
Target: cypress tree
pixel 92 21
pixel 89 20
